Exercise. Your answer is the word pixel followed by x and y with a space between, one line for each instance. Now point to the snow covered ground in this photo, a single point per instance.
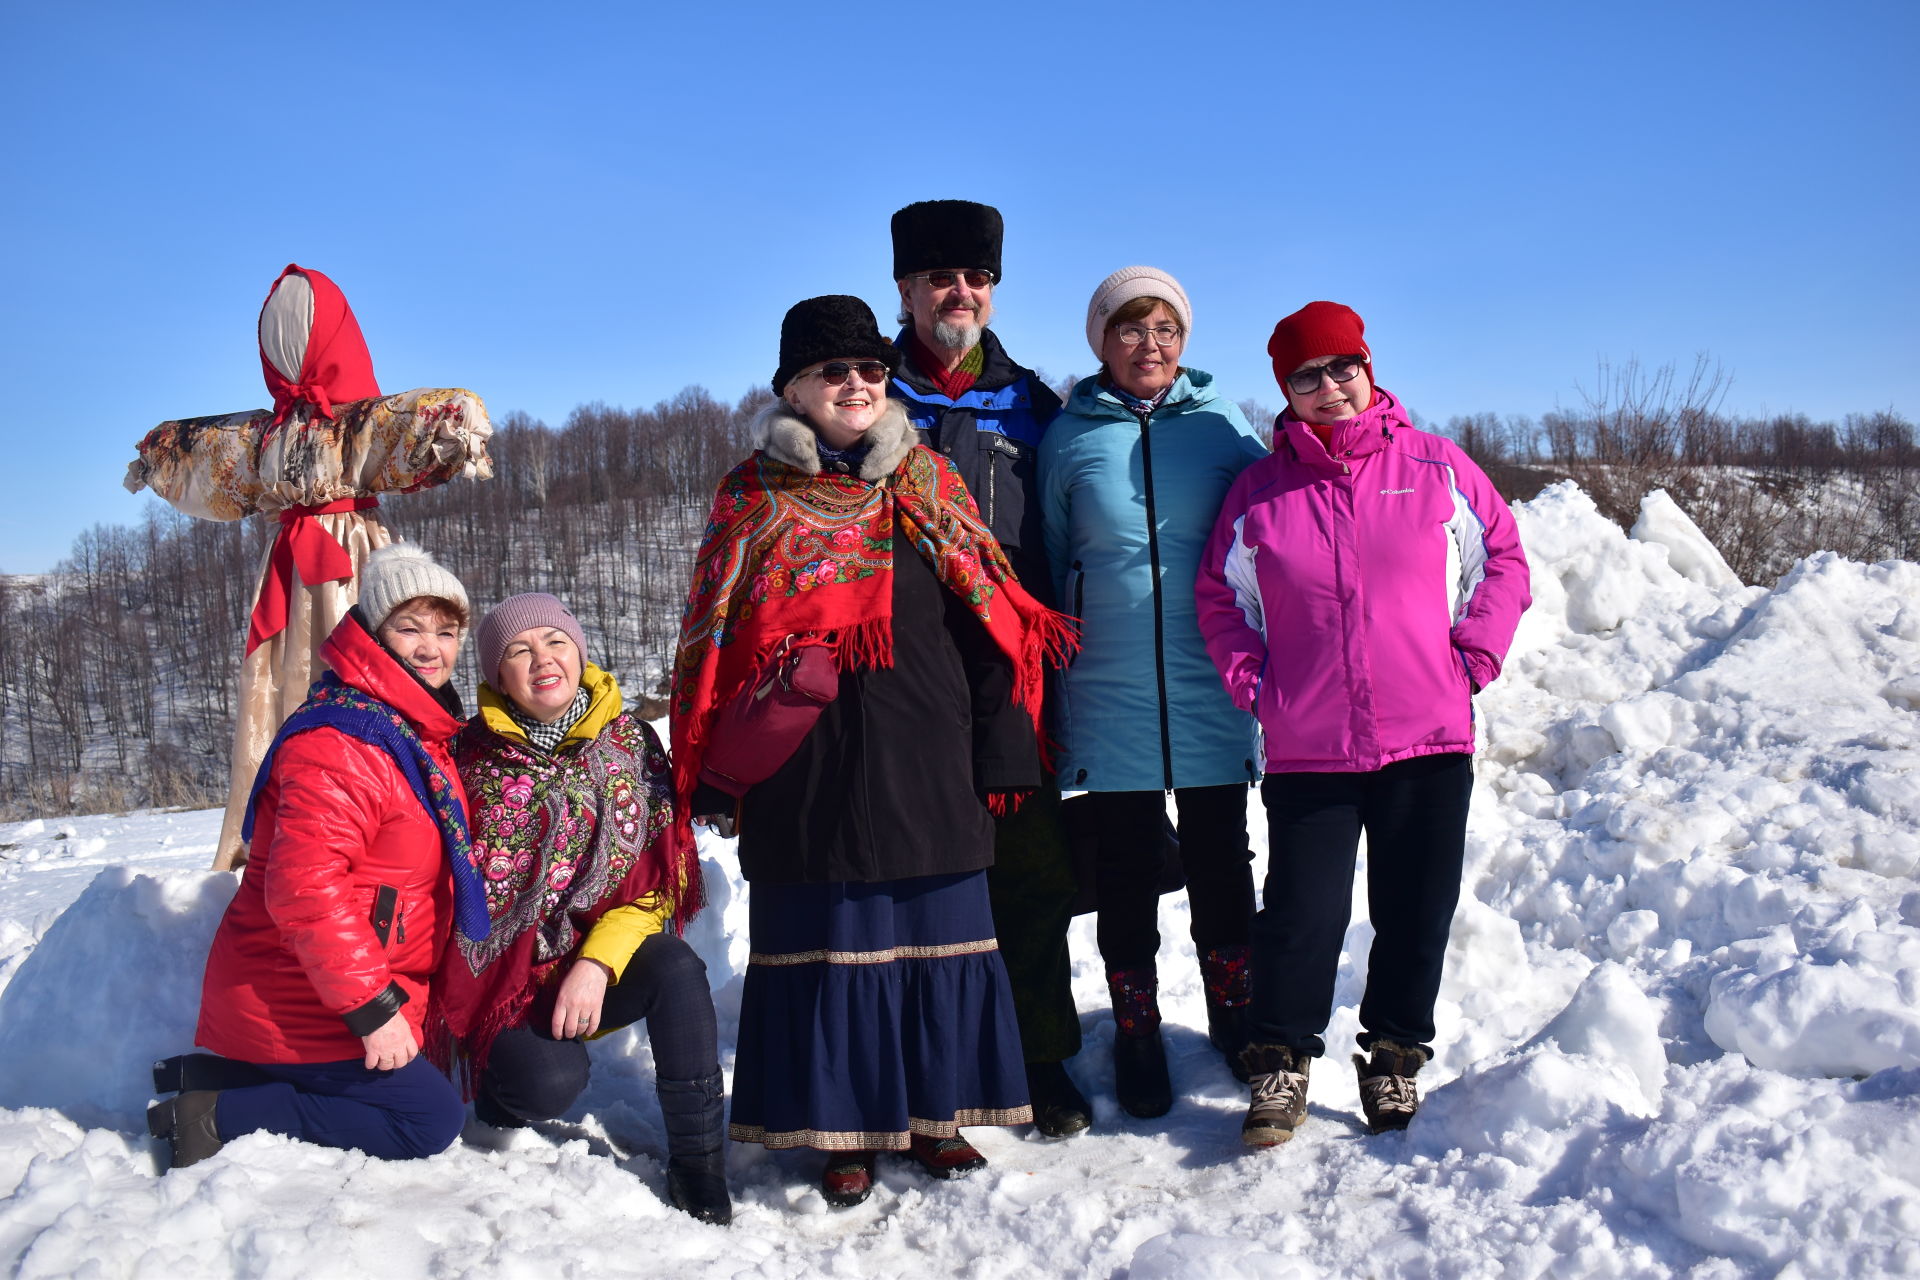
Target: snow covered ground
pixel 1680 1028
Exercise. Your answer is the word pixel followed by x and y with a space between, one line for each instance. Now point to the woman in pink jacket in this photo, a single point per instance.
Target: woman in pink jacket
pixel 1362 584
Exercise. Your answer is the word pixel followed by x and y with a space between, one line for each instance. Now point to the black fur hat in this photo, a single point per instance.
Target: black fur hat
pixel 833 327
pixel 947 234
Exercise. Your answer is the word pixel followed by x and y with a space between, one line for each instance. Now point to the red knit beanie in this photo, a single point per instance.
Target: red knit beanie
pixel 1315 330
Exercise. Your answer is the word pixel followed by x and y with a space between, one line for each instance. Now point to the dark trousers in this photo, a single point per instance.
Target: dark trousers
pixel 394 1115
pixel 1128 827
pixel 1031 885
pixel 1414 814
pixel 532 1076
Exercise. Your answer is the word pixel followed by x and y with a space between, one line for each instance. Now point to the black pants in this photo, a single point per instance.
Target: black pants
pixel 1127 827
pixel 1031 885
pixel 1414 814
pixel 535 1077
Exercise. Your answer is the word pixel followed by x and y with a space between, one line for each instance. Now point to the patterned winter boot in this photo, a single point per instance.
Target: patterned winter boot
pixel 1139 1056
pixel 1223 970
pixel 1387 1092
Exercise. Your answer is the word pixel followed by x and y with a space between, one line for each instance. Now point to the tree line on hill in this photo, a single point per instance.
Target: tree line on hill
pixel 117 669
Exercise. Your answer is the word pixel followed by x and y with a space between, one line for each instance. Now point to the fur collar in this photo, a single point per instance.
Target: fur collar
pixel 789 438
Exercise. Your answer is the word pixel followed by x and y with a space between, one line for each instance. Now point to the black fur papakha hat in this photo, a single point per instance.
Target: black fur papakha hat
pixel 936 235
pixel 833 327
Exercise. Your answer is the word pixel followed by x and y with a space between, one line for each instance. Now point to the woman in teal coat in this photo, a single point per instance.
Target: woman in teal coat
pixel 1132 475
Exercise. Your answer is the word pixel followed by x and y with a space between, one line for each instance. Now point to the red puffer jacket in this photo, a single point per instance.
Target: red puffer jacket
pixel 298 971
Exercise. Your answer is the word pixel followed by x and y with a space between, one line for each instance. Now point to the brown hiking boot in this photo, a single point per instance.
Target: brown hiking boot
pixel 1387 1092
pixel 1278 1077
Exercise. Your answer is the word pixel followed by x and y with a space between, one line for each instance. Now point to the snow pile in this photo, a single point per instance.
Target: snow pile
pixel 1680 1029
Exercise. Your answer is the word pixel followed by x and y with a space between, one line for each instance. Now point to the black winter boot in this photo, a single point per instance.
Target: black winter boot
pixel 1387 1092
pixel 1139 1056
pixel 695 1114
pixel 205 1071
pixel 1060 1110
pixel 187 1124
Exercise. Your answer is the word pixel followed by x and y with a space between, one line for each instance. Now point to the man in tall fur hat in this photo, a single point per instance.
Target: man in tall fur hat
pixel 971 403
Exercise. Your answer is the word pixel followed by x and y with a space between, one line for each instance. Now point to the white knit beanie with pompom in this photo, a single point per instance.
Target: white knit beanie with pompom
pixel 400 572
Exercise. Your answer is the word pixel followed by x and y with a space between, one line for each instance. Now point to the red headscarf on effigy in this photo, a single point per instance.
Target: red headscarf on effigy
pixel 321 343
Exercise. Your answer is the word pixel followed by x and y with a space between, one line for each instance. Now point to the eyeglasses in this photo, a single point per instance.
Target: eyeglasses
pixel 835 372
pixel 945 279
pixel 1132 335
pixel 1305 382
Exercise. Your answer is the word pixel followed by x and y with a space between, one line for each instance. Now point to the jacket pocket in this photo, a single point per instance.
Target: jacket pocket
pixel 1077 604
pixel 386 904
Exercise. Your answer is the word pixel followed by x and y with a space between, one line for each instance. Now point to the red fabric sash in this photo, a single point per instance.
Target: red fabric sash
pixel 304 546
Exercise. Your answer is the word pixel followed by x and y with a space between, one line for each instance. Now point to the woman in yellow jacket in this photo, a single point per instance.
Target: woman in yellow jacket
pixel 589 878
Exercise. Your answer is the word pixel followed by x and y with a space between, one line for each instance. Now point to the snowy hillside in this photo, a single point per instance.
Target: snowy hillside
pixel 1679 1035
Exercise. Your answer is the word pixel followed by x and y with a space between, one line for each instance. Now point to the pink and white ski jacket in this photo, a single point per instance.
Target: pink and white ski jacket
pixel 1355 598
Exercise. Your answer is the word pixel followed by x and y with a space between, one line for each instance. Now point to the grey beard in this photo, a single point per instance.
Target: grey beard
pixel 957 335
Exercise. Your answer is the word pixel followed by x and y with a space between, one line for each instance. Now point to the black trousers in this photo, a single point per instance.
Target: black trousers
pixel 1031 885
pixel 1128 830
pixel 1414 814
pixel 533 1076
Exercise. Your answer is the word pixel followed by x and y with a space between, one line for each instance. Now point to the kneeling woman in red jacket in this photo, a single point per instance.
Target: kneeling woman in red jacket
pixel 316 985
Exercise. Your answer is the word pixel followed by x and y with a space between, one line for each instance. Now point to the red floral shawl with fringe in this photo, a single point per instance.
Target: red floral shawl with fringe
pixel 789 553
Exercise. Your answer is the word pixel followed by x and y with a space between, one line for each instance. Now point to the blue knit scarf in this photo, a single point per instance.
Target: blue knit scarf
pixel 332 703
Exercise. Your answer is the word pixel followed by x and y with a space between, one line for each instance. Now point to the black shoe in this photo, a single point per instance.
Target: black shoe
pixel 694 1112
pixel 1227 1031
pixel 489 1112
pixel 1140 1075
pixel 1059 1109
pixel 205 1071
pixel 697 1187
pixel 186 1123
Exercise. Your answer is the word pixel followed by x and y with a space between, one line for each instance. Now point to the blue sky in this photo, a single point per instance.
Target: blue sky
pixel 609 203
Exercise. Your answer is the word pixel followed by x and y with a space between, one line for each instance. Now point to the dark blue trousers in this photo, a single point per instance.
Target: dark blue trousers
pixel 1414 814
pixel 395 1115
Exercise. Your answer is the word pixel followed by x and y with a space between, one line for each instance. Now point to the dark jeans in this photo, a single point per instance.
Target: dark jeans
pixel 1128 828
pixel 1031 885
pixel 531 1075
pixel 395 1115
pixel 1414 814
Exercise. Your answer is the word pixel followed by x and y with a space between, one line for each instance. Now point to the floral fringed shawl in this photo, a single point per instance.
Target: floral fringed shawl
pixel 560 839
pixel 789 553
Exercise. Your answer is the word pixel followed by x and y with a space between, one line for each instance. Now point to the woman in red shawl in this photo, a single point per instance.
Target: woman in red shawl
pixel 589 876
pixel 876 1013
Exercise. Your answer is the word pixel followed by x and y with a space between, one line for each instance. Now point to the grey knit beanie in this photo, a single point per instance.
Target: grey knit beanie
pixel 402 571
pixel 516 614
pixel 1122 287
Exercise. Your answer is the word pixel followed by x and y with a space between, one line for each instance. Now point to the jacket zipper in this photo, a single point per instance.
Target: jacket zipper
pixel 1159 622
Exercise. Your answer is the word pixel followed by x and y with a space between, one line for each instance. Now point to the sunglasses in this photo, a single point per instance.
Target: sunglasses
pixel 945 279
pixel 1307 381
pixel 835 372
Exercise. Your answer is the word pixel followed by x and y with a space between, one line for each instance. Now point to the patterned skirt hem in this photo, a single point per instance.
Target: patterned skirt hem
pixel 821 1140
pixel 940 951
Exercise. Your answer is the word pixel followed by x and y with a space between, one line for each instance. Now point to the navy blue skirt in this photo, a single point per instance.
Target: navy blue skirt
pixel 873 1012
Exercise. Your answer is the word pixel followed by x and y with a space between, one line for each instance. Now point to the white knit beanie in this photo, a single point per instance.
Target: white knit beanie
pixel 402 571
pixel 1122 287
